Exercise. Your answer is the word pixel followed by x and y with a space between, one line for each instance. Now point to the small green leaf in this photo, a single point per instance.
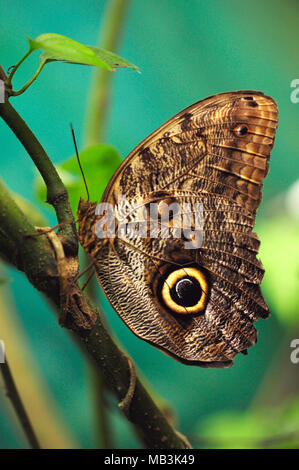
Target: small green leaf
pixel 113 59
pixel 99 163
pixel 57 47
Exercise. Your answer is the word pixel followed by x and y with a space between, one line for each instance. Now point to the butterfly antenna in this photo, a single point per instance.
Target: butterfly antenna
pixel 78 159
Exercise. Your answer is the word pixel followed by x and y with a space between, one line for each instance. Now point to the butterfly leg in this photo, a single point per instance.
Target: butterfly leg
pixel 84 271
pixel 88 279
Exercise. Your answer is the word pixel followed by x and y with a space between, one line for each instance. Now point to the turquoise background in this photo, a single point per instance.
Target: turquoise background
pixel 186 51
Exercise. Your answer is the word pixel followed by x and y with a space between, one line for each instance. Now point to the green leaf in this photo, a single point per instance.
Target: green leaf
pixel 269 427
pixel 57 47
pixel 279 253
pixel 233 430
pixel 113 59
pixel 99 163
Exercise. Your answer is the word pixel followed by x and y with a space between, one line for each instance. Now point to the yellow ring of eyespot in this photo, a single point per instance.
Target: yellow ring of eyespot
pixel 170 282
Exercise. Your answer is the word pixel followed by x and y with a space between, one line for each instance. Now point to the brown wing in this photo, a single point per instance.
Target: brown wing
pixel 218 145
pixel 214 153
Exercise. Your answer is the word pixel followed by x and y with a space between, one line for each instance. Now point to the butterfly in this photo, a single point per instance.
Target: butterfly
pixel 176 255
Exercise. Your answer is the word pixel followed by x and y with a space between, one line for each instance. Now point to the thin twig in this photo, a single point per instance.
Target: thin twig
pixel 13 394
pixel 15 67
pixel 29 83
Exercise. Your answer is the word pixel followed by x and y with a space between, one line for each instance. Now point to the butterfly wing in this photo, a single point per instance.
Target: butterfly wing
pixel 213 157
pixel 219 145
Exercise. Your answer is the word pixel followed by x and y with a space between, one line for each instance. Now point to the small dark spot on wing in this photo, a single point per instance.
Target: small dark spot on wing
pixel 185 123
pixel 146 154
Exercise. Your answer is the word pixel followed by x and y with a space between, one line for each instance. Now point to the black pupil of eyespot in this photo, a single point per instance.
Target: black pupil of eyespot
pixel 242 130
pixel 186 292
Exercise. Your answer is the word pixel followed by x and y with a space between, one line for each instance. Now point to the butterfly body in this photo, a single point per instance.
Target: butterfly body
pixel 193 293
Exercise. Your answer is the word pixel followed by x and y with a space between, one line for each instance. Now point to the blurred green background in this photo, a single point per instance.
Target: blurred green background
pixel 186 51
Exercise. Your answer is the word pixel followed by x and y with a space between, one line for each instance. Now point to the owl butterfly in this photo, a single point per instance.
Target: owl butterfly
pixel 196 302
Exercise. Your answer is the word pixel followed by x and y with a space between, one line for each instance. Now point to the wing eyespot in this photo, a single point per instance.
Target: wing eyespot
pixel 185 291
